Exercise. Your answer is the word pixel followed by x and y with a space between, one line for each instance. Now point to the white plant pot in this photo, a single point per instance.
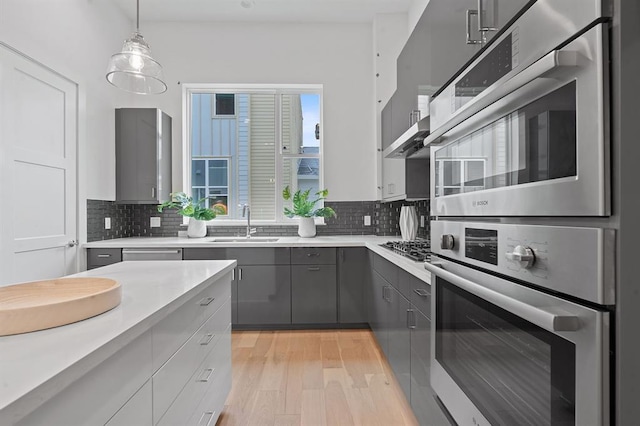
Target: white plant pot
pixel 408 222
pixel 197 228
pixel 307 227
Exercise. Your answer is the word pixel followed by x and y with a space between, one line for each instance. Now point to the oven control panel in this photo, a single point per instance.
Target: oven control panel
pixel 577 261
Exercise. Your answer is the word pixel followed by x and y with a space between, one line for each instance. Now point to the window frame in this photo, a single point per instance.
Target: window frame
pixel 188 89
pixel 208 187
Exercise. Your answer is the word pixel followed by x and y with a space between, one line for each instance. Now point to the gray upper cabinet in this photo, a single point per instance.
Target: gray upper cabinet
pixel 143 156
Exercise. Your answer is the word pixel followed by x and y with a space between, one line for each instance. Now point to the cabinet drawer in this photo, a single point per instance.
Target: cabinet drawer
pixel 244 256
pixel 211 405
pixel 169 380
pixel 314 293
pixel 137 411
pixel 313 256
pixel 204 384
pixel 103 256
pixel 420 296
pixel 173 331
pixel 386 269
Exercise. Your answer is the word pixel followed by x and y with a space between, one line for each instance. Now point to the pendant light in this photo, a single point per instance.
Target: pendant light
pixel 133 69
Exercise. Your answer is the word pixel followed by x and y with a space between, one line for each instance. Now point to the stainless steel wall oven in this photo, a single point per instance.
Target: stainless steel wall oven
pixel 522 308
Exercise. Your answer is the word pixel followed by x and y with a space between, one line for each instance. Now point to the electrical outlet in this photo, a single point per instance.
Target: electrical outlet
pixel 421 221
pixel 367 221
pixel 107 223
pixel 155 222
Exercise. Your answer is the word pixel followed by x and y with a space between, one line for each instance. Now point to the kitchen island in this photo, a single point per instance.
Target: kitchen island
pixel 134 362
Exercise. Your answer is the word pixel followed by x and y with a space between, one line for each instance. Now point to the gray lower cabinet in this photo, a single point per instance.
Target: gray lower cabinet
pixel 314 294
pixel 263 282
pixel 423 399
pixel 399 339
pixel 97 257
pixel 379 309
pixel 354 274
pixel 264 295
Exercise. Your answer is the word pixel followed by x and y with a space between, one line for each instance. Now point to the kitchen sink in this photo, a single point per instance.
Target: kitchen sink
pixel 244 240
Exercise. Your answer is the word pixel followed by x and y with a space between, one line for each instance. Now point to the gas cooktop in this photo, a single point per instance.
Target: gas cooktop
pixel 418 250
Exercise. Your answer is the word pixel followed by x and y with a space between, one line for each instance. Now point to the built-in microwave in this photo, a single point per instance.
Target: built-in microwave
pixel 529 143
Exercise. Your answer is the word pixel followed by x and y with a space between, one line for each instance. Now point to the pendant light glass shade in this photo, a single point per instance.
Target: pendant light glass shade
pixel 133 69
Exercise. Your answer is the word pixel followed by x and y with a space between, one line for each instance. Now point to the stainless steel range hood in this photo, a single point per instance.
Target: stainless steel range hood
pixel 410 141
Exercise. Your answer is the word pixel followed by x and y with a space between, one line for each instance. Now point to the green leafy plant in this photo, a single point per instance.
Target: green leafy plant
pixel 303 207
pixel 186 207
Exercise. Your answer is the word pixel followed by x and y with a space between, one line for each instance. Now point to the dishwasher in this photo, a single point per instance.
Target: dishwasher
pixel 151 254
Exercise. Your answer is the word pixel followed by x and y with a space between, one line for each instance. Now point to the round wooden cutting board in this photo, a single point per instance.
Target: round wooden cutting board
pixel 45 304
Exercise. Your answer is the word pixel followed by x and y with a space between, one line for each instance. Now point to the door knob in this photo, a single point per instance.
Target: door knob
pixel 72 243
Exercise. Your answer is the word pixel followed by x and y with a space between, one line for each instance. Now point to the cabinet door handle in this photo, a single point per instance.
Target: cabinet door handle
pixel 313 268
pixel 239 274
pixel 411 319
pixel 206 418
pixel 470 13
pixel 481 13
pixel 206 301
pixel 313 254
pixel 205 375
pixel 233 274
pixel 207 339
pixel 102 256
pixel 421 292
pixel 153 192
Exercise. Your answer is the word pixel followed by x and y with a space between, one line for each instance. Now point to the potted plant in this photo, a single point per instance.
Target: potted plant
pixel 197 213
pixel 306 209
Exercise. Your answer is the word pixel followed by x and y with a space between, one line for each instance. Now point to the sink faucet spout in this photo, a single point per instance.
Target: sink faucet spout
pixel 246 211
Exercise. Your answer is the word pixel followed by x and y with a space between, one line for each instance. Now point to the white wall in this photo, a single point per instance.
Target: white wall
pixel 416 8
pixel 76 39
pixel 335 55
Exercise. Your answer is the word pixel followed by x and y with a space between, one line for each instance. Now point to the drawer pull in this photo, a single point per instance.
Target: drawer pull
pixel 104 255
pixel 313 269
pixel 313 254
pixel 421 292
pixel 205 376
pixel 206 418
pixel 411 319
pixel 207 339
pixel 206 301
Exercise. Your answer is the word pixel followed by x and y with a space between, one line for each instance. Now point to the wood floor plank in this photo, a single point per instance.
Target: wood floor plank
pixel 312 377
pixel 313 408
pixel 336 406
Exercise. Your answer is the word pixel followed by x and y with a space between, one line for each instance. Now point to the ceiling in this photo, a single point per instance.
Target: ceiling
pixel 341 11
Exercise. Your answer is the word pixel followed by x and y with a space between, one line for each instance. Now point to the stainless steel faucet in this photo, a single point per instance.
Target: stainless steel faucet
pixel 247 210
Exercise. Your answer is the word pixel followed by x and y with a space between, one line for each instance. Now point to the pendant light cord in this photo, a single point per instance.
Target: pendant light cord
pixel 138 16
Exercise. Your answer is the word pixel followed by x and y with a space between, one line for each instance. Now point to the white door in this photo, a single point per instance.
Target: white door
pixel 38 136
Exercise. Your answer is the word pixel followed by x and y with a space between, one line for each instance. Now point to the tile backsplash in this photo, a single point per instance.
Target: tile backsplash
pixel 133 220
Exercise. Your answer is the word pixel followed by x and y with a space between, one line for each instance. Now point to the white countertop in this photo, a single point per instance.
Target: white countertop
pixel 370 241
pixel 36 366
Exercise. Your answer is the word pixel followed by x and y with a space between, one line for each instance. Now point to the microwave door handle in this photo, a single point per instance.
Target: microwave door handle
pixel 550 321
pixel 544 67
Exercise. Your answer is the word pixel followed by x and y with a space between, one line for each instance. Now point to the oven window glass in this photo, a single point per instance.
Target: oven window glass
pixel 514 372
pixel 535 143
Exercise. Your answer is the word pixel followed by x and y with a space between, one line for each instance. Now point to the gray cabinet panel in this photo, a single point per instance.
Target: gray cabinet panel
pixel 386 122
pixel 399 340
pixel 313 256
pixel 143 155
pixel 103 256
pixel 379 309
pixel 420 295
pixel 244 256
pixel 388 270
pixel 423 401
pixel 354 276
pixel 313 294
pixel 264 294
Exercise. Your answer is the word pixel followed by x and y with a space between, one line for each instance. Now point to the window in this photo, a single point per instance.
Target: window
pixel 244 145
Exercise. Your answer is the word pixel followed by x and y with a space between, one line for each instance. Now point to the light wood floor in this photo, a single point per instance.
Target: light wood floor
pixel 332 377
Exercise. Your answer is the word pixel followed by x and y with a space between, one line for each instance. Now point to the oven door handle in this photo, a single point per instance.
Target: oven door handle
pixel 543 67
pixel 543 318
